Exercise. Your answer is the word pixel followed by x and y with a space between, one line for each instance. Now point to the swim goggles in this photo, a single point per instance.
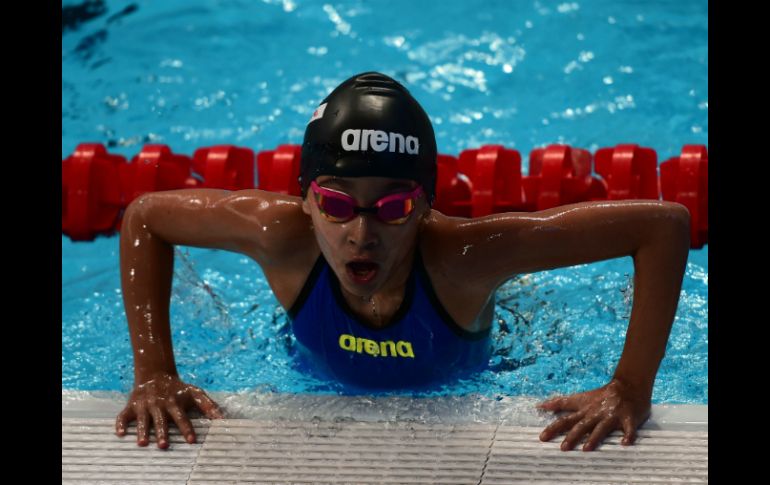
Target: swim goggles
pixel 340 207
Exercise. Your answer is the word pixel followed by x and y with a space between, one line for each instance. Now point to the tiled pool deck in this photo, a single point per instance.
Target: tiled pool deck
pixel 274 438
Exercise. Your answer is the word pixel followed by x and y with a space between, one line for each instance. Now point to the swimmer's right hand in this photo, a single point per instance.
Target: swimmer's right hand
pixel 164 394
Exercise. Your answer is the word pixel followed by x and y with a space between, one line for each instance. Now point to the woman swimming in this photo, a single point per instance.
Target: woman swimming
pixel 382 291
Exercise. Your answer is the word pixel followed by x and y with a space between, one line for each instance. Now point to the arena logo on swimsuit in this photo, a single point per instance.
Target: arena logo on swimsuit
pixel 359 140
pixel 373 348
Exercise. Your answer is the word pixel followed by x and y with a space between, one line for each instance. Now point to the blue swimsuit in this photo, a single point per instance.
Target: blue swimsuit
pixel 420 345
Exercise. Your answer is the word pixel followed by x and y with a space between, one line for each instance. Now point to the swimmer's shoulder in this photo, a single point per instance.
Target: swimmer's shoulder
pixel 284 232
pixel 438 241
pixel 267 226
pixel 467 298
pixel 445 253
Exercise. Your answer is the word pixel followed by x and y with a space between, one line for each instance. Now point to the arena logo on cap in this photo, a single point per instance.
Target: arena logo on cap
pixel 360 140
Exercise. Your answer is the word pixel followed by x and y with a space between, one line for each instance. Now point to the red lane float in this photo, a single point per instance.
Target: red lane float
pixel 495 175
pixel 560 175
pixel 684 179
pixel 91 192
pixel 278 170
pixel 453 189
pixel 225 167
pixel 97 186
pixel 630 172
pixel 156 168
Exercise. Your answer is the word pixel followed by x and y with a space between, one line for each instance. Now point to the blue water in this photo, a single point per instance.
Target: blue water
pixel 523 74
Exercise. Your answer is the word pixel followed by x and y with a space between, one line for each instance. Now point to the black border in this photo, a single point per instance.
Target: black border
pixel 31 236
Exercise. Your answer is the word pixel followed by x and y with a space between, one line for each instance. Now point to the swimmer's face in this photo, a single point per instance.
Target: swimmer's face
pixel 365 235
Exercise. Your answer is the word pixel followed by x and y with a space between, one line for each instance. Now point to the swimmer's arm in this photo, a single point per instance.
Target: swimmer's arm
pixel 654 233
pixel 155 222
pixel 244 221
pixel 152 225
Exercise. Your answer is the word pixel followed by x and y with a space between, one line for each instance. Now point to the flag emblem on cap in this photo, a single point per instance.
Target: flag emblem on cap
pixel 318 113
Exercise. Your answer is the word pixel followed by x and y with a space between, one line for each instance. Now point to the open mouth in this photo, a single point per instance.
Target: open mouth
pixel 362 272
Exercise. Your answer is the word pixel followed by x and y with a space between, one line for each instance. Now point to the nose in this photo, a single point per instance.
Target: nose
pixel 362 231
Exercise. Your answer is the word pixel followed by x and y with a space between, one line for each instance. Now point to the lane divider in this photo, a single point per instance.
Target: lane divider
pixel 97 186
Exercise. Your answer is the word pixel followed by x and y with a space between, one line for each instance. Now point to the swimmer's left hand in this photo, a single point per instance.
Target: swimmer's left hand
pixel 616 405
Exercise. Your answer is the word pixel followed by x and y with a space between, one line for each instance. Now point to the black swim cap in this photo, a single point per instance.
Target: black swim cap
pixel 370 126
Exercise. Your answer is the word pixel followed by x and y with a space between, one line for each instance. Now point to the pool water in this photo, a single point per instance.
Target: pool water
pixel 522 74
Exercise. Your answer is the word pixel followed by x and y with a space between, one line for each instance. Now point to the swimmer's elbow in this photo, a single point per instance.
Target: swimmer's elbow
pixel 680 213
pixel 135 214
pixel 674 225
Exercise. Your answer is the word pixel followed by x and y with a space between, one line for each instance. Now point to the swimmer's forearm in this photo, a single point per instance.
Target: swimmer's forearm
pixel 146 268
pixel 659 267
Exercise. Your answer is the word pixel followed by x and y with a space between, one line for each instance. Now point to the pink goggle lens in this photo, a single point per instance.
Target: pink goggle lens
pixel 340 207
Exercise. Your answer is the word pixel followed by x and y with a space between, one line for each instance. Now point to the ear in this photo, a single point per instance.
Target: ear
pixel 306 206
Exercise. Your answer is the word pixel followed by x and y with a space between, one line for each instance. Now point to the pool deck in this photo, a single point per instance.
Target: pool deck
pixel 281 438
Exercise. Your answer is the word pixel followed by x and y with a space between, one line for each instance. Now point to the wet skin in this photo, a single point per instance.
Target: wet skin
pixel 285 235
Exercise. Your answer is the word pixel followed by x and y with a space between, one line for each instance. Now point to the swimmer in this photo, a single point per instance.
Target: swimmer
pixel 381 289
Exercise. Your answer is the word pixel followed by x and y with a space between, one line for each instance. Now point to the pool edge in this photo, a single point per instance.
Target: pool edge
pixel 517 410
